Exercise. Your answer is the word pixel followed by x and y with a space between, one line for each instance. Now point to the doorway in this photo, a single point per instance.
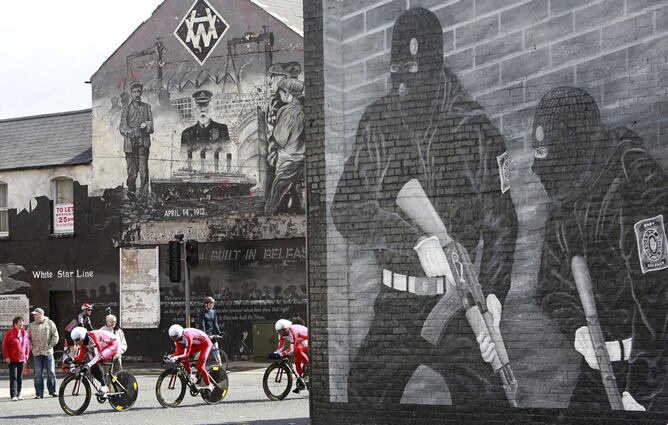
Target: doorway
pixel 61 311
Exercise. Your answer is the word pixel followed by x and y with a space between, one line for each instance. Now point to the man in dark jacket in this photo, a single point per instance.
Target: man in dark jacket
pixel 208 322
pixel 425 128
pixel 609 198
pixel 136 127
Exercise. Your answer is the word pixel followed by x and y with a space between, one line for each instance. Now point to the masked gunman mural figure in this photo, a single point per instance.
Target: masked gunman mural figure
pixel 426 129
pixel 609 199
pixel 136 127
pixel 286 149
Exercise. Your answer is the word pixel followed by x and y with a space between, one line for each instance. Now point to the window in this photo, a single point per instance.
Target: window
pixel 63 206
pixel 4 218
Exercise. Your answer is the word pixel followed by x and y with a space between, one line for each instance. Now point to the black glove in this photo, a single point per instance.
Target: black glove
pixel 274 356
pixel 85 368
pixel 68 360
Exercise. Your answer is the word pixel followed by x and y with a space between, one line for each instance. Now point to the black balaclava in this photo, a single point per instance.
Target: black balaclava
pixel 568 123
pixel 417 55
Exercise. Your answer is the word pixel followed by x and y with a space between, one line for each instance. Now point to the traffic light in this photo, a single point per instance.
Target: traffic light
pixel 174 261
pixel 192 254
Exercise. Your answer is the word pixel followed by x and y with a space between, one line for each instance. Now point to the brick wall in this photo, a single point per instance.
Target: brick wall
pixel 506 55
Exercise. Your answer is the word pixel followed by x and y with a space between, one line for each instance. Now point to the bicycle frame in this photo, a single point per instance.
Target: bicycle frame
pixel 181 370
pixel 76 370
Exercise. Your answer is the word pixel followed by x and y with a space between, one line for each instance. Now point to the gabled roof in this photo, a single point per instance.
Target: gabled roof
pixel 290 12
pixel 50 140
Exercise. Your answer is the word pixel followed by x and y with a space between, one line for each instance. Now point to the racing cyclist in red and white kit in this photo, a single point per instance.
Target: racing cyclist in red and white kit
pixel 297 336
pixel 101 345
pixel 188 342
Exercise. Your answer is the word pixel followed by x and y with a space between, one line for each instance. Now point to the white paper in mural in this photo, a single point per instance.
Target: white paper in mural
pixel 139 288
pixel 63 218
pixel 12 306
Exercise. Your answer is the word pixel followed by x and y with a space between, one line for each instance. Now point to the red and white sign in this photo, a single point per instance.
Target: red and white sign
pixel 63 218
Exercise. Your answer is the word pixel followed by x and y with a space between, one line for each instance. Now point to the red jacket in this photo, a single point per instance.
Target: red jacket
pixel 15 345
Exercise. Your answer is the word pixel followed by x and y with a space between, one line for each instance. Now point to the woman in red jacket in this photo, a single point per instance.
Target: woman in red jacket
pixel 15 351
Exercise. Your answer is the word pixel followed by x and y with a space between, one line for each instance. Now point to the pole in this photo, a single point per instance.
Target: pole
pixel 187 284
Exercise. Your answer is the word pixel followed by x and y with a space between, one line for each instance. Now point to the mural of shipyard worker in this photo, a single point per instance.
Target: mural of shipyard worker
pixel 609 204
pixel 286 149
pixel 205 132
pixel 276 73
pixel 136 127
pixel 425 128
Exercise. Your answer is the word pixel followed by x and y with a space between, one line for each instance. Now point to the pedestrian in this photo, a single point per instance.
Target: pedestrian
pixel 43 336
pixel 15 351
pixel 83 319
pixel 208 322
pixel 112 328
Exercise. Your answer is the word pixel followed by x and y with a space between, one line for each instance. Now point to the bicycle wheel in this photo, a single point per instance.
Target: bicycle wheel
pixel 126 384
pixel 219 376
pixel 170 388
pixel 277 381
pixel 74 394
pixel 225 361
pixel 61 367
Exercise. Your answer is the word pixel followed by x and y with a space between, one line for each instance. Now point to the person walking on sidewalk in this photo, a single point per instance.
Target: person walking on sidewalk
pixel 43 336
pixel 15 351
pixel 120 336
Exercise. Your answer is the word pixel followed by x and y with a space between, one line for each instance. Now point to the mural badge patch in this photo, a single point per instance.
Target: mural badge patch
pixel 201 30
pixel 652 245
pixel 504 171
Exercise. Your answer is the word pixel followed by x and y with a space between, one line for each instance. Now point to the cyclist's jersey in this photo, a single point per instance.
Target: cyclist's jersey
pixel 297 335
pixel 101 345
pixel 192 341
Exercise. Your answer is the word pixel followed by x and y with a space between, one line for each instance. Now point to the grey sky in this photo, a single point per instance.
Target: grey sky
pixel 49 48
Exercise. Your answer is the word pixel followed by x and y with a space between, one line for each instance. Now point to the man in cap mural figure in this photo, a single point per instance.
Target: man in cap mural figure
pixel 136 126
pixel 276 73
pixel 608 205
pixel 286 148
pixel 425 128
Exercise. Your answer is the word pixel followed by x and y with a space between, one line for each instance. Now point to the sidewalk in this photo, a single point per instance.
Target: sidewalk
pixel 28 390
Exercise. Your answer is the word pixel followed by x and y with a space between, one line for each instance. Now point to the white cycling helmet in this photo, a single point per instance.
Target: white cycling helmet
pixel 176 331
pixel 78 333
pixel 282 324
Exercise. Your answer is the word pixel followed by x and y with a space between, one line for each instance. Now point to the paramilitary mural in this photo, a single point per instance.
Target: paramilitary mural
pixel 504 243
pixel 202 108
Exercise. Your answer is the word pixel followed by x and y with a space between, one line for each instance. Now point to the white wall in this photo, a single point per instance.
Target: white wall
pixel 24 186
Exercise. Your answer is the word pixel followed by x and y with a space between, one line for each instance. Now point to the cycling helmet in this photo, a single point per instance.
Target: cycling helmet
pixel 78 333
pixel 87 306
pixel 209 300
pixel 175 331
pixel 282 324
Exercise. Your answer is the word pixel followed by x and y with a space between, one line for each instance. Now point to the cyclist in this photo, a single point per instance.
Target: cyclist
pixel 297 336
pixel 101 345
pixel 84 317
pixel 208 322
pixel 191 341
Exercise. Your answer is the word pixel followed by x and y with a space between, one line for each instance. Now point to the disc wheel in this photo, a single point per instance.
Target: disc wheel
pixel 277 381
pixel 74 395
pixel 170 388
pixel 219 376
pixel 126 384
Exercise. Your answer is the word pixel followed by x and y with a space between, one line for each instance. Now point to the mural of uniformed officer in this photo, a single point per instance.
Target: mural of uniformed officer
pixel 425 128
pixel 608 205
pixel 286 149
pixel 136 127
pixel 205 132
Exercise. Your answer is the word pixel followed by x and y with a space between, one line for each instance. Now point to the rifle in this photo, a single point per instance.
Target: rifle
pixel 586 293
pixel 416 204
